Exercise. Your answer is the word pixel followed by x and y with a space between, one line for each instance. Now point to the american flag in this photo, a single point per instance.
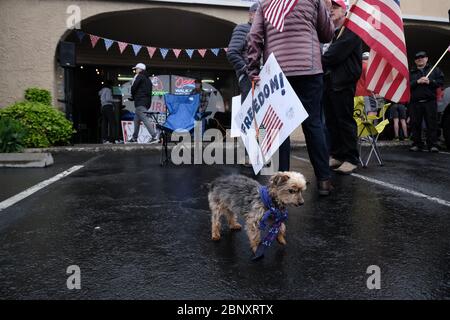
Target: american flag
pixel 276 12
pixel 379 24
pixel 272 125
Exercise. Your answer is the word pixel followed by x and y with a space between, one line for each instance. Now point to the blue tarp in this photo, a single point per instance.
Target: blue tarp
pixel 182 110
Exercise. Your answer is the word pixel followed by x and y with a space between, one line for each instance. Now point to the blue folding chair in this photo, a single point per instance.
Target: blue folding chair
pixel 181 111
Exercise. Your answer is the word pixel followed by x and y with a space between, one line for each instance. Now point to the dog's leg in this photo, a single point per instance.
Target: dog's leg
pixel 254 235
pixel 232 220
pixel 281 235
pixel 215 220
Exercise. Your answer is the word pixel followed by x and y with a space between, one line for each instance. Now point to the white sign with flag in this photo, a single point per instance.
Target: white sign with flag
pixel 278 112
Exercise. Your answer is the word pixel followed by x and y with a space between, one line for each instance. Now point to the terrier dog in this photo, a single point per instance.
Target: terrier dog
pixel 237 194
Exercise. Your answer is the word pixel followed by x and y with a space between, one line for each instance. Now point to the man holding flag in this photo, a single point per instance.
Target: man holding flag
pixel 423 104
pixel 292 30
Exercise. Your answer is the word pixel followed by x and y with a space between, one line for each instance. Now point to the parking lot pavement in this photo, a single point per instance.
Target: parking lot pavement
pixel 141 231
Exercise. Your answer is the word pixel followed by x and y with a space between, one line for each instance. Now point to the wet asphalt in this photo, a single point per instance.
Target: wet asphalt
pixel 141 231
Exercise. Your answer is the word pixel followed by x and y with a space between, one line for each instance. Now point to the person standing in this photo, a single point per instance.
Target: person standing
pixel 108 117
pixel 204 98
pixel 141 94
pixel 237 53
pixel 298 51
pixel 423 104
pixel 343 65
pixel 398 112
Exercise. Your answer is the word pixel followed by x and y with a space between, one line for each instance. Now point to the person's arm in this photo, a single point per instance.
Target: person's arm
pixel 255 43
pixel 325 26
pixel 235 49
pixel 108 96
pixel 341 49
pixel 436 78
pixel 135 85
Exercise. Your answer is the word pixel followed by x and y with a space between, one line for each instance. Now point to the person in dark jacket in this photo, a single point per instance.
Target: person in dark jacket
pixel 108 117
pixel 298 50
pixel 237 52
pixel 141 94
pixel 343 66
pixel 423 103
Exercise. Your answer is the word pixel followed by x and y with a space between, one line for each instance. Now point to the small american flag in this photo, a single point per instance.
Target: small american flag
pixel 272 125
pixel 379 23
pixel 276 12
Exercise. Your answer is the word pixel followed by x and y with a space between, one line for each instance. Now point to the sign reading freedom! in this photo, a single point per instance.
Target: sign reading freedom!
pixel 278 113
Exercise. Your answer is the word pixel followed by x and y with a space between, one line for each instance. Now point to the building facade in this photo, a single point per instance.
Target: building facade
pixel 33 29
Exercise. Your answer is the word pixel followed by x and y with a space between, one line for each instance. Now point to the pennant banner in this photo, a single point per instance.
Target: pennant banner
pixel 151 50
pixel 122 46
pixel 202 52
pixel 215 51
pixel 190 52
pixel 80 35
pixel 136 49
pixel 176 52
pixel 94 40
pixel 163 52
pixel 108 43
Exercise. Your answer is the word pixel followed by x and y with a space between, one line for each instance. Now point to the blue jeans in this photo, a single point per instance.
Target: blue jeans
pixel 309 89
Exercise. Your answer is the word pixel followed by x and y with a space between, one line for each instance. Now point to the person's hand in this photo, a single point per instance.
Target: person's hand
pixel 255 79
pixel 328 4
pixel 423 80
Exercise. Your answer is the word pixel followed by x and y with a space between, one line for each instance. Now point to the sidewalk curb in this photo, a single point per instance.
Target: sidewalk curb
pixel 157 147
pixel 26 160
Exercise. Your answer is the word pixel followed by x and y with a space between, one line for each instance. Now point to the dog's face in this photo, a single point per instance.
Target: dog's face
pixel 287 187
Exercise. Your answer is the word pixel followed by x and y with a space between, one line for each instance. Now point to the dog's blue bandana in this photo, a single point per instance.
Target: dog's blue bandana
pixel 278 216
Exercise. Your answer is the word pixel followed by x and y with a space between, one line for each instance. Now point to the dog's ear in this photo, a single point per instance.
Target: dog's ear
pixel 279 179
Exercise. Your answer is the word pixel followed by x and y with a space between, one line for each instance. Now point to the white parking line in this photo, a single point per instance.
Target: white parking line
pixel 392 186
pixel 28 192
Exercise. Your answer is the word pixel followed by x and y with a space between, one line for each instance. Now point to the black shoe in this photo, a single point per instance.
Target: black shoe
pixel 132 140
pixel 325 188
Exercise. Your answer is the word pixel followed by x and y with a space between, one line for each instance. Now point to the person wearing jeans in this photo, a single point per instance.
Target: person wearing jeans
pixel 141 94
pixel 298 52
pixel 108 117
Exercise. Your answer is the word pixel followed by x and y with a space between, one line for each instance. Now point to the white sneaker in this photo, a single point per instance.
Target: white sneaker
pixel 333 163
pixel 153 140
pixel 346 168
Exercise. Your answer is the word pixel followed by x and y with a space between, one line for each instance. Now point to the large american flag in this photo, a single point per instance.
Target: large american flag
pixel 379 24
pixel 276 12
pixel 272 125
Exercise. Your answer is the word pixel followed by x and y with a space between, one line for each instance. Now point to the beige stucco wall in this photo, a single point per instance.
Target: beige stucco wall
pixel 426 8
pixel 31 30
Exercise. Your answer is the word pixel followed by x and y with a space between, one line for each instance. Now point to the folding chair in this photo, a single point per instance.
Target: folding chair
pixel 181 111
pixel 368 131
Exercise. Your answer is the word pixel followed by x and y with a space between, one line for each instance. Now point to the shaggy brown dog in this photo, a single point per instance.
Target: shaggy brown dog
pixel 237 194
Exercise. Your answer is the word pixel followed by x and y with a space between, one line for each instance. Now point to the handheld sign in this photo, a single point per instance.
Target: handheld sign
pixel 278 113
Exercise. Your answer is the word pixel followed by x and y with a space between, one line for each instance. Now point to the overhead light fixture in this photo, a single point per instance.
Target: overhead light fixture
pixel 125 78
pixel 208 81
pixel 81 67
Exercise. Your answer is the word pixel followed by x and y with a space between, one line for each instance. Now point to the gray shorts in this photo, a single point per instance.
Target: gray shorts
pixel 398 111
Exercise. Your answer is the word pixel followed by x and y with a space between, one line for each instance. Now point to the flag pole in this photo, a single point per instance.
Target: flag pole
pixel 346 18
pixel 254 113
pixel 254 120
pixel 440 59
